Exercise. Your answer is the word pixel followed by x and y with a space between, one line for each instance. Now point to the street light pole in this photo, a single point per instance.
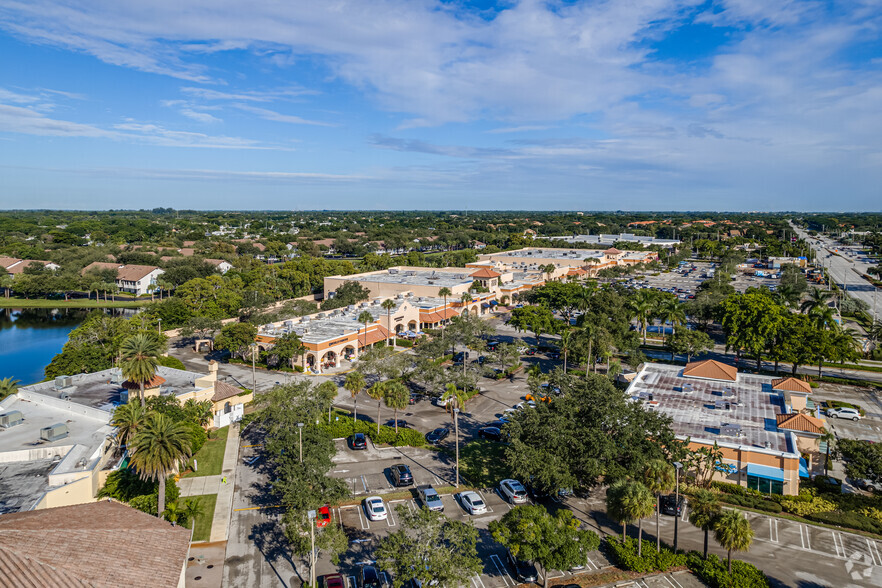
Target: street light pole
pixel 253 368
pixel 456 433
pixel 300 439
pixel 310 516
pixel 159 327
pixel 677 466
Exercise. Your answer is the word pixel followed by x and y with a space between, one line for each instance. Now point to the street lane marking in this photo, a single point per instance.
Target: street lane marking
pixel 870 547
pixel 836 544
pixel 361 519
pixel 503 571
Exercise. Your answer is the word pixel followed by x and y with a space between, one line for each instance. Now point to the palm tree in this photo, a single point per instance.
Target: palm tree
pixel 669 310
pixel 615 506
pixel 641 308
pixel 160 447
pixel 6 282
pixel 817 300
pixel 444 293
pixel 355 383
pixel 172 512
pixel 192 509
pixel 397 398
pixel 127 418
pixel 140 358
pixel 704 508
pixel 638 503
pixel 732 530
pixel 198 412
pixel 455 400
pixel 465 298
pixel 659 478
pixel 8 387
pixel 365 317
pixel 389 305
pixel 377 392
pixel 566 344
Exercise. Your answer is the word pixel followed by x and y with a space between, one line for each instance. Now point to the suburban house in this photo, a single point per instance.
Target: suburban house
pixel 767 429
pixel 221 265
pixel 14 266
pixel 89 545
pixel 134 279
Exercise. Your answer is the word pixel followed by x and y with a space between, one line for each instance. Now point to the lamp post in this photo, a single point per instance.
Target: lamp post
pixel 310 520
pixel 159 327
pixel 456 432
pixel 253 368
pixel 677 467
pixel 300 439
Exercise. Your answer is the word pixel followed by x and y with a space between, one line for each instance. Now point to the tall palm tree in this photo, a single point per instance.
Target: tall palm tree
pixel 704 508
pixel 140 358
pixel 389 305
pixel 6 282
pixel 354 384
pixel 127 419
pixel 659 477
pixel 161 446
pixel 641 308
pixel 455 399
pixel 566 344
pixel 378 392
pixel 816 300
pixel 615 506
pixel 670 310
pixel 732 530
pixel 444 293
pixel 465 298
pixel 8 387
pixel 365 317
pixel 638 503
pixel 397 398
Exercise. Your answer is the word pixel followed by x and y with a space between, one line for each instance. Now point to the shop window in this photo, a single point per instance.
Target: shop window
pixel 765 485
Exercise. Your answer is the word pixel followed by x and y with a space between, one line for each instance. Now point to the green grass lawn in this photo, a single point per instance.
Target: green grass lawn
pixel 202 530
pixel 73 303
pixel 481 463
pixel 211 457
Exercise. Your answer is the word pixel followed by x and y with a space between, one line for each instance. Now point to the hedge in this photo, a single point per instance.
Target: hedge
pixel 343 427
pixel 404 343
pixel 851 520
pixel 625 555
pixel 171 362
pixel 753 502
pixel 714 572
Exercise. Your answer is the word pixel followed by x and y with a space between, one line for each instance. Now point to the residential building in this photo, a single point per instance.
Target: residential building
pixel 15 266
pixel 134 279
pixel 103 545
pixel 766 428
pixel 222 266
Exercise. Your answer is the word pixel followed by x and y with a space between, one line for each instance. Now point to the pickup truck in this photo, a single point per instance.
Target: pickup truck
pixel 430 498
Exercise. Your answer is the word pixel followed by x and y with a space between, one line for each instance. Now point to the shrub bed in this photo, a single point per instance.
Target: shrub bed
pixel 343 427
pixel 625 555
pixel 714 572
pixel 753 502
pixel 851 520
pixel 404 343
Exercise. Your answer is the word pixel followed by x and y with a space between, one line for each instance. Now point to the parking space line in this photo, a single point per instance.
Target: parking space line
pixel 390 519
pixel 773 530
pixel 364 526
pixel 484 498
pixel 437 480
pixel 387 581
pixel 352 582
pixel 364 483
pixel 477 581
pixel 503 571
pixel 673 581
pixel 836 544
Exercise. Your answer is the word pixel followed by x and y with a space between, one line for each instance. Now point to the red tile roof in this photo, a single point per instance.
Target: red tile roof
pixel 800 422
pixel 792 384
pixel 711 369
pixel 612 251
pixel 374 336
pixel 485 273
pixel 156 381
pixel 222 391
pixel 87 545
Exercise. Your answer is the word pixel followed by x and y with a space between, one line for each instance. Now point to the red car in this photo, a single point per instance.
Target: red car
pixel 323 517
pixel 334 581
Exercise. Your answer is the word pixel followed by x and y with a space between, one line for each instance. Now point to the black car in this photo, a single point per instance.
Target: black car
pixel 670 505
pixel 554 355
pixel 369 578
pixel 437 435
pixel 402 424
pixel 460 356
pixel 358 441
pixel 401 475
pixel 492 345
pixel 525 570
pixel 490 433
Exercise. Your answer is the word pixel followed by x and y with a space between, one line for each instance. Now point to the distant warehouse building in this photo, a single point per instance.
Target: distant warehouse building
pixel 762 425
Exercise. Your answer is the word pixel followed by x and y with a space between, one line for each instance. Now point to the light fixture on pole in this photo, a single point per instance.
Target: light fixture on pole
pixel 310 520
pixel 456 429
pixel 677 466
pixel 159 327
pixel 300 439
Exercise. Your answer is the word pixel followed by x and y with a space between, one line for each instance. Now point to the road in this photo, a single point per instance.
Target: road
pixel 843 269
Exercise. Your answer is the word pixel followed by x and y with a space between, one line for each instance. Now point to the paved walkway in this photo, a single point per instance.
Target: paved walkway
pixel 199 485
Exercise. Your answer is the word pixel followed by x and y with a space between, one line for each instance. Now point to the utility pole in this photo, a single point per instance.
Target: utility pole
pixel 310 516
pixel 253 368
pixel 300 439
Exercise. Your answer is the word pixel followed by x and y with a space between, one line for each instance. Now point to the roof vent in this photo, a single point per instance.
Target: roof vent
pixel 730 430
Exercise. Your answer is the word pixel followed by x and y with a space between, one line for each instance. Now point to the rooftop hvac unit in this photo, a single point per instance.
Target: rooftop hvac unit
pixel 64 395
pixel 54 432
pixel 82 462
pixel 728 392
pixel 63 382
pixel 730 430
pixel 11 418
pixel 393 270
pixel 723 405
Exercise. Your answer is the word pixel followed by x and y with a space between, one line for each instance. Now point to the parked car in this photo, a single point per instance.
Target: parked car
pixel 430 498
pixel 844 413
pixel 323 517
pixel 334 581
pixel 671 506
pixel 375 508
pixel 368 577
pixel 357 441
pixel 437 435
pixel 513 491
pixel 530 351
pixel 472 502
pixel 868 485
pixel 527 404
pixel 525 570
pixel 490 433
pixel 492 345
pixel 401 475
pixel 402 424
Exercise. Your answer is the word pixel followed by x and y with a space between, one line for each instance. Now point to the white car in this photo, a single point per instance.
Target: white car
pixel 527 404
pixel 513 491
pixel 472 502
pixel 375 508
pixel 844 413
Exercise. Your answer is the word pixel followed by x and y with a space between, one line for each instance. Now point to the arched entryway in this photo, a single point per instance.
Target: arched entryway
pixel 504 301
pixel 310 360
pixel 329 360
pixel 398 329
pixel 349 353
pixel 412 326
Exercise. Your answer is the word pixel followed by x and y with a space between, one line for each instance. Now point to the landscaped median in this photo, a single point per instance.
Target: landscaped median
pixel 343 426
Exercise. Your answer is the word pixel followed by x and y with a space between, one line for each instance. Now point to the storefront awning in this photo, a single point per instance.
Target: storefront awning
pixel 761 471
pixel 803 468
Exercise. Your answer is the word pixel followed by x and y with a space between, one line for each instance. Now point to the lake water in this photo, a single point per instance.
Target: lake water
pixel 30 338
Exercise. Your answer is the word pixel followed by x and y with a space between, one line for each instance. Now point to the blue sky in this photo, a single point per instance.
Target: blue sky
pixel 408 104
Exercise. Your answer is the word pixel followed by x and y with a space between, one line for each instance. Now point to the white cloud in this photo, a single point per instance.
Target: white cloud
pixel 15 119
pixel 518 129
pixel 279 117
pixel 198 116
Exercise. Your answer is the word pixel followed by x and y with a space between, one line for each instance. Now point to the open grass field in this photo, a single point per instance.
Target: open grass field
pixel 211 457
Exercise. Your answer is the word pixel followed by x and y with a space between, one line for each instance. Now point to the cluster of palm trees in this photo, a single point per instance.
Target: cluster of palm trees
pixel 648 305
pixel 392 393
pixel 8 387
pixel 632 500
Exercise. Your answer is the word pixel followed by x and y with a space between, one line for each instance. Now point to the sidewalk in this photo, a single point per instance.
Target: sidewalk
pixel 224 506
pixel 199 485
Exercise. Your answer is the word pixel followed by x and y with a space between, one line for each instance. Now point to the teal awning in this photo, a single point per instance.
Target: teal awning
pixel 761 471
pixel 803 468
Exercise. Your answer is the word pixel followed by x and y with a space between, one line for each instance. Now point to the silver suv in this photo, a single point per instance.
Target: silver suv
pixel 430 498
pixel 844 413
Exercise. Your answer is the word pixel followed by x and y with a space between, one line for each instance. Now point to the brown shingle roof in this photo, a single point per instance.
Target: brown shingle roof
pixel 792 384
pixel 800 422
pixel 20 267
pixel 711 369
pixel 612 251
pixel 133 273
pixel 100 265
pixel 5 262
pixel 91 545
pixel 222 391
